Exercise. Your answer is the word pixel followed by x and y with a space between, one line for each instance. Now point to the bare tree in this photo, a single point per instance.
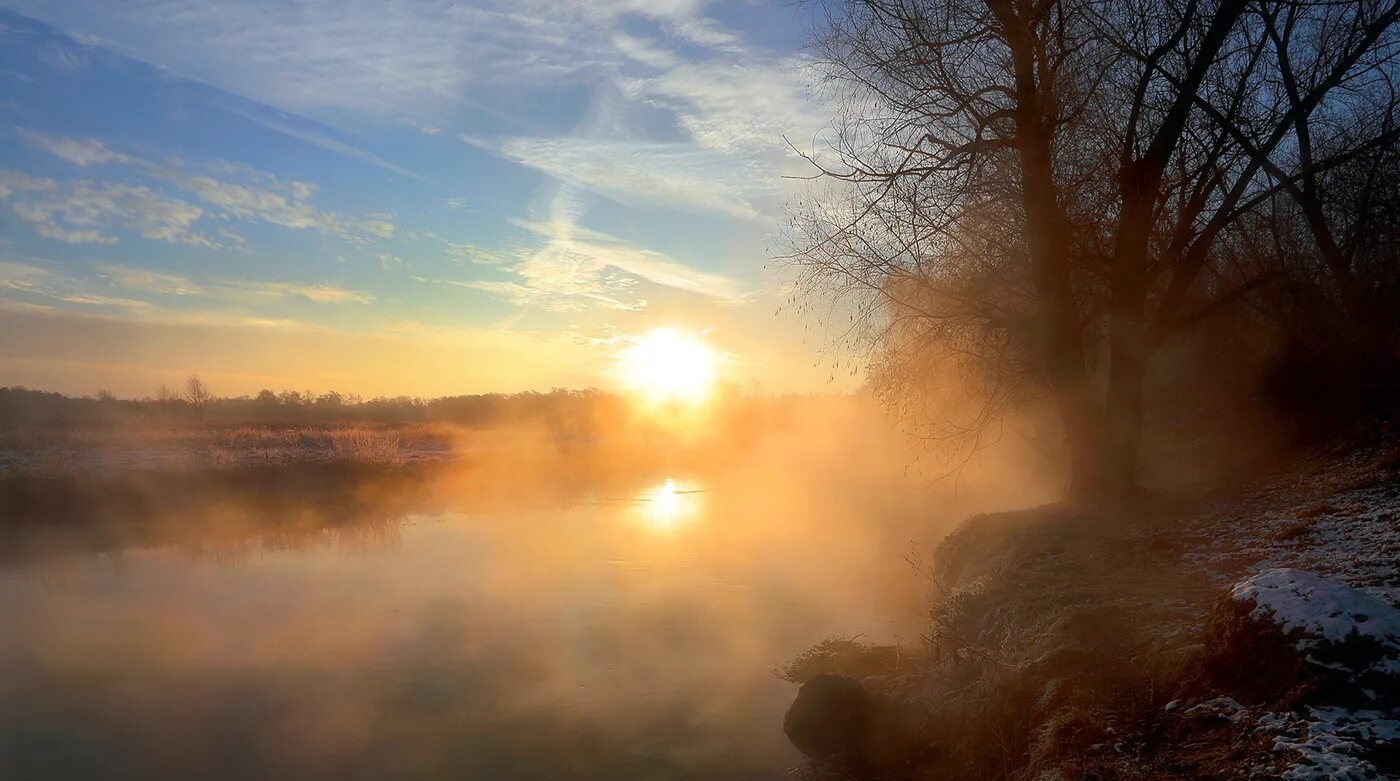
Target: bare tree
pixel 1121 145
pixel 1225 123
pixel 198 396
pixel 951 204
pixel 167 400
pixel 1335 168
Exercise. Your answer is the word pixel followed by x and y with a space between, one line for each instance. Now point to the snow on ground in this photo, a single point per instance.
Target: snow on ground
pixel 1330 742
pixel 1320 608
pixel 1322 743
pixel 1358 543
pixel 1325 559
pixel 1352 536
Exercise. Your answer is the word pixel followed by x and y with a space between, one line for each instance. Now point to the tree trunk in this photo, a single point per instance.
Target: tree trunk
pixel 1127 373
pixel 1090 469
pixel 1128 349
pixel 1139 185
pixel 1361 337
pixel 1061 331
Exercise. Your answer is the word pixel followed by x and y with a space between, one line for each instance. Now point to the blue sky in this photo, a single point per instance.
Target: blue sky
pixel 411 197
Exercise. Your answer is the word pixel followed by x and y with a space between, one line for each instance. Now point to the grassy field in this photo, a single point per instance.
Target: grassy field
pixel 115 450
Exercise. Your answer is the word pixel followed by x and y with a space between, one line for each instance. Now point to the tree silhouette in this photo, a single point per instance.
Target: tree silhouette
pixel 198 395
pixel 1041 193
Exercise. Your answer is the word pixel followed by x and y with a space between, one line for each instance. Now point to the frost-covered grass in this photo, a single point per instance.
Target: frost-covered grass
pixel 1319 523
pixel 1081 619
pixel 1318 554
pixel 107 451
pixel 1221 707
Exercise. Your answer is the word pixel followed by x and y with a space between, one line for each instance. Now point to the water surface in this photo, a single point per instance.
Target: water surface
pixel 626 630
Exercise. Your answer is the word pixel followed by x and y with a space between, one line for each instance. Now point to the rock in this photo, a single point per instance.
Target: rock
pixel 828 720
pixel 835 719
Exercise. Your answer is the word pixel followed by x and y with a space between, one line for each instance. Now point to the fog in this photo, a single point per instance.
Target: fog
pixel 527 610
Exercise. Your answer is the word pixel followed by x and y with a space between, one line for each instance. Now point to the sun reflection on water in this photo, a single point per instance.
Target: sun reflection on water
pixel 669 505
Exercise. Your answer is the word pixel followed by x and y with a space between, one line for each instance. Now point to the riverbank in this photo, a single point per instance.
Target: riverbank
pixel 1209 637
pixel 118 450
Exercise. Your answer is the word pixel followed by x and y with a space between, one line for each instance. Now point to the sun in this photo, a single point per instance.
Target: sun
pixel 666 365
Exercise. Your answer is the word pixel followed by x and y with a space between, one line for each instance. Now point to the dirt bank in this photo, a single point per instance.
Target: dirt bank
pixel 1088 643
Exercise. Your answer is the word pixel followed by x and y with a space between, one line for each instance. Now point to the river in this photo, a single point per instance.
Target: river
pixel 625 630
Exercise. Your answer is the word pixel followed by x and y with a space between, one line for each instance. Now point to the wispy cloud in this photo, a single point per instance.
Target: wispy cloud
pixel 576 266
pixel 31 280
pixel 644 51
pixel 148 281
pixel 742 106
pixel 72 213
pixel 320 294
pixel 302 131
pixel 61 57
pixel 420 61
pixel 524 296
pixel 117 287
pixel 84 211
pixel 412 58
pixel 470 253
pixel 640 173
pixel 422 127
pixel 16 75
pixel 78 151
pixel 26 277
pixel 97 299
pixel 726 152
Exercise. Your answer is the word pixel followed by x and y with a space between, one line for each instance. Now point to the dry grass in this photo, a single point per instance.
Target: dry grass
pixel 141 448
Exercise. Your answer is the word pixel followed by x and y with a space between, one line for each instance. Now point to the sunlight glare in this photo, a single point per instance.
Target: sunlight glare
pixel 668 366
pixel 666 506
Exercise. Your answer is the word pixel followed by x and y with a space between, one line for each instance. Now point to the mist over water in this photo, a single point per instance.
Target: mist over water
pixel 506 619
pixel 496 623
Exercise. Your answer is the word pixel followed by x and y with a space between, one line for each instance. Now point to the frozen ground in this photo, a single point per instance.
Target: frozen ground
pixel 1324 565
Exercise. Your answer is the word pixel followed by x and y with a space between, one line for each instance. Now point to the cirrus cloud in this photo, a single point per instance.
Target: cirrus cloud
pixel 88 212
pixel 74 214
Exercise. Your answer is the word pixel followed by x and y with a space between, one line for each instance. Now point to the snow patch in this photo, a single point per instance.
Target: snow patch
pixel 1355 538
pixel 1330 741
pixel 1320 608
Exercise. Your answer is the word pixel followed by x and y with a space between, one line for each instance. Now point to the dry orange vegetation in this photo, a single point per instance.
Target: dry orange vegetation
pixel 128 448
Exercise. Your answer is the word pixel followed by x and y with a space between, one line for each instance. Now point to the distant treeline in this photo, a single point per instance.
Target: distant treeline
pixel 21 407
pixel 568 414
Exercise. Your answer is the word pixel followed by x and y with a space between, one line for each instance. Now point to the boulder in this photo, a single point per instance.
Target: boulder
pixel 836 719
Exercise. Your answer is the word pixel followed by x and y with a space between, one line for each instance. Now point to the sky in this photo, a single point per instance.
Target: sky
pixel 411 198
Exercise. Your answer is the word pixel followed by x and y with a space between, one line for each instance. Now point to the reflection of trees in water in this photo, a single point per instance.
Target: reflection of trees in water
pixel 361 534
pixel 233 514
pixel 367 533
pixel 63 572
pixel 226 518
